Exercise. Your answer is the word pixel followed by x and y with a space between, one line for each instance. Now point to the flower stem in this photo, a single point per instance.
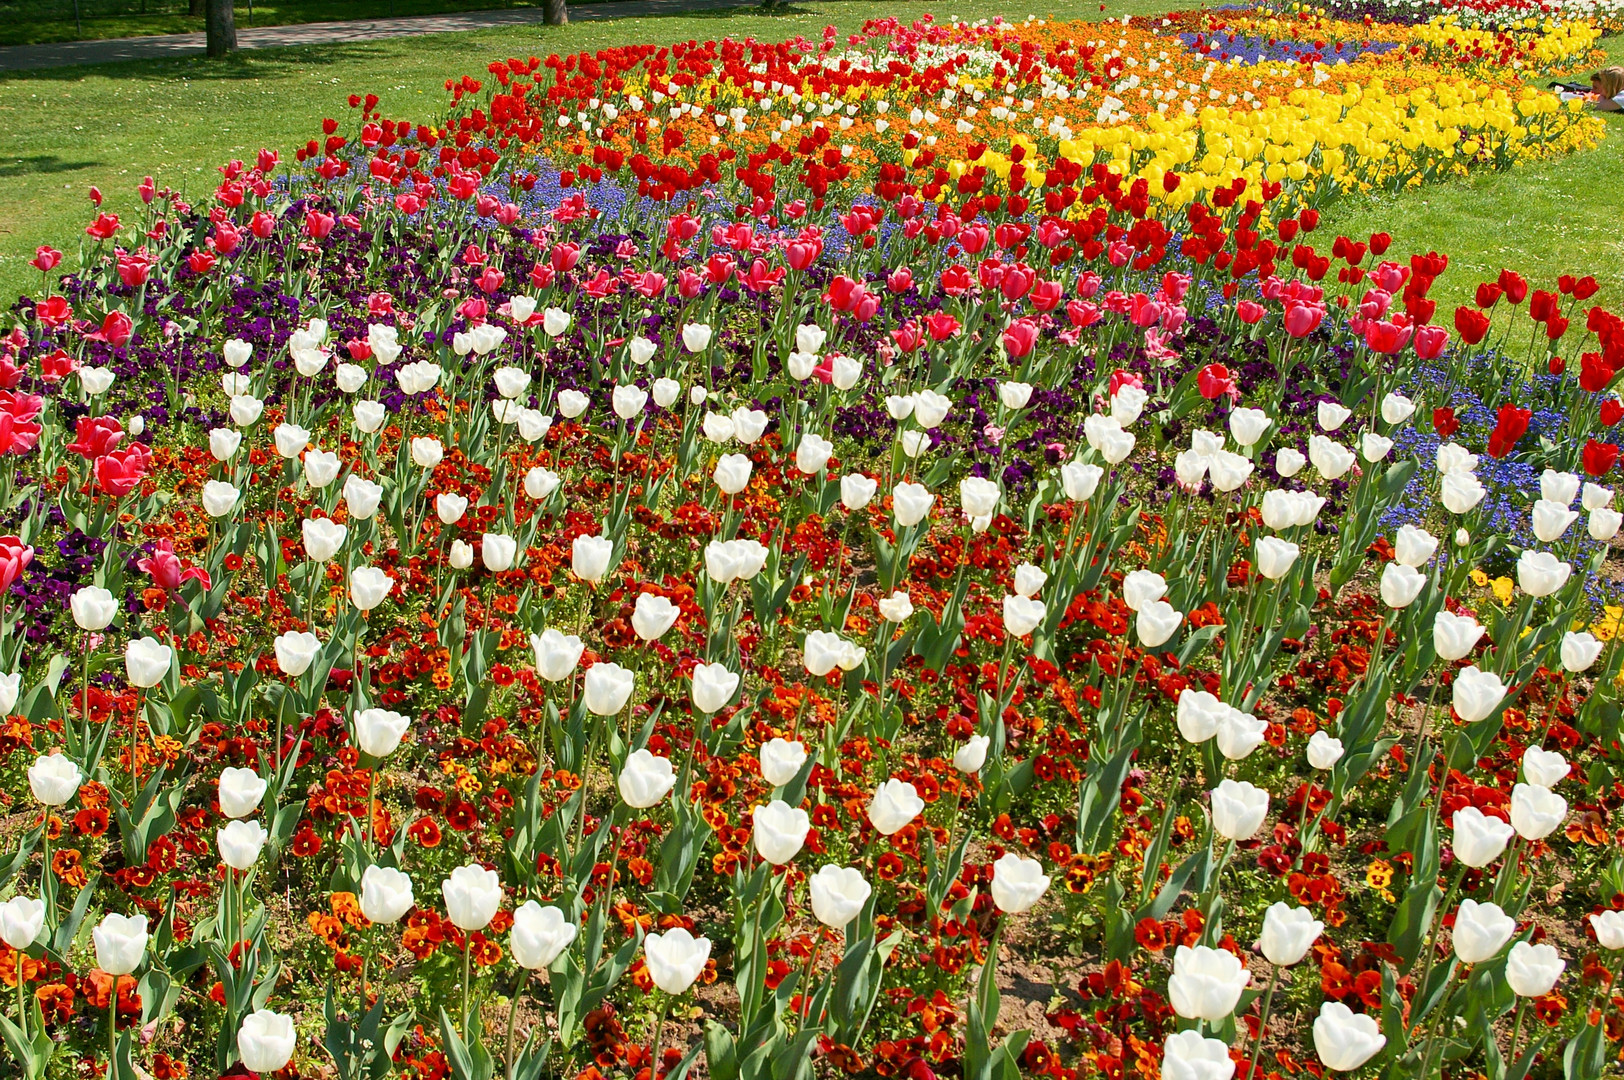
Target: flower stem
pixel 112 1030
pixel 659 1033
pixel 467 945
pixel 1263 1022
pixel 513 1010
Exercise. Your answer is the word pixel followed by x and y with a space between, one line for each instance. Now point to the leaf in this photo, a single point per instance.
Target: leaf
pixel 467 1062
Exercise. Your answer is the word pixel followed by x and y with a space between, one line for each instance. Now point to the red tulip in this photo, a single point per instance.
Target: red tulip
pixel 96 437
pixel 1019 339
pixel 801 254
pixel 1120 378
pixel 122 471
pixel 1444 422
pixel 1430 342
pixel 1472 325
pixel 1612 411
pixel 1600 457
pixel 1250 312
pixel 134 269
pixel 226 239
pixel 14 559
pixel 1595 374
pixel 1513 286
pixel 116 329
pixel 103 227
pixel 1046 295
pixel 1511 424
pixel 57 366
pixel 54 311
pixel 899 280
pixel 908 336
pixel 1214 381
pixel 941 325
pixel 46 259
pixel 1303 319
pixel 167 571
pixel 1544 305
pixel 18 435
pixel 1488 294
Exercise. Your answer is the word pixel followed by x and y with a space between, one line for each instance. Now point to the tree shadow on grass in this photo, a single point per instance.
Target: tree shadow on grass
pixel 287 61
pixel 41 165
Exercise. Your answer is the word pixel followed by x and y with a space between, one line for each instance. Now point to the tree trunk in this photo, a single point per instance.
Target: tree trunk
pixel 222 27
pixel 556 14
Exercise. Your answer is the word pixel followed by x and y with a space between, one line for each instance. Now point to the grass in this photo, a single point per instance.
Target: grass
pixel 66 129
pixel 25 24
pixel 1557 217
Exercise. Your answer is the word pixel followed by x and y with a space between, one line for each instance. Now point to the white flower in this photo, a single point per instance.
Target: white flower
pixel 1547 768
pixel 1022 614
pixel 1532 970
pixel 1017 883
pixel 911 502
pixel 53 779
pixel 386 894
pixel 695 337
pixel 1248 425
pixel 1478 838
pixel 1206 983
pixel 472 895
pixel 1330 458
pixel 1332 414
pixel 895 804
pixel 970 757
pixel 1238 809
pixel 1323 750
pixel 540 935
pixel 266 1041
pixel 607 687
pixel 675 958
pixel 838 895
pixel 1396 408
pixel 1481 931
pixel 1539 573
pixel 1558 487
pixel 1579 650
pixel 779 830
pixel 1536 812
pixel 1345 1040
pixel 1413 546
pixel 628 401
pixel 1287 933
pixel 1477 693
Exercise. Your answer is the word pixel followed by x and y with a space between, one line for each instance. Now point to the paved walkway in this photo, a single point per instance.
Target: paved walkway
pixel 173 46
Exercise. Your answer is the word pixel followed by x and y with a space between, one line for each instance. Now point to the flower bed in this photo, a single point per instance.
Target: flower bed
pixel 525 598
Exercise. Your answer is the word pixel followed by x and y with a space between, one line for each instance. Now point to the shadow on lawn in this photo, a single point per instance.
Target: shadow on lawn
pixel 279 63
pixel 42 165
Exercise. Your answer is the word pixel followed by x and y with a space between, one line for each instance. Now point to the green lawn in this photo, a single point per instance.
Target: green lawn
pixel 1559 217
pixel 64 130
pixel 33 23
